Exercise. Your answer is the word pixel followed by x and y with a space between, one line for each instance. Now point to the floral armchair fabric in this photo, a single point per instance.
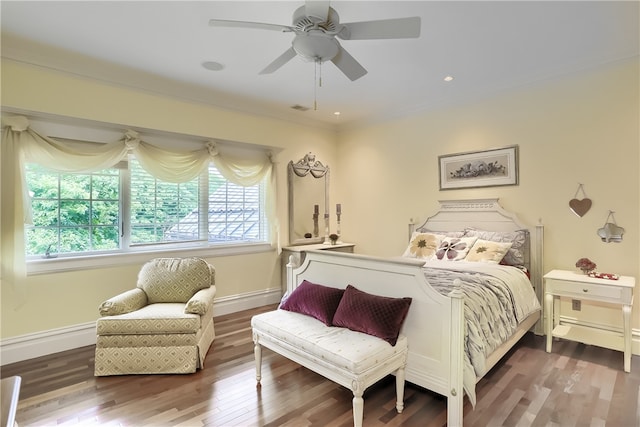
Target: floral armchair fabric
pixel 164 325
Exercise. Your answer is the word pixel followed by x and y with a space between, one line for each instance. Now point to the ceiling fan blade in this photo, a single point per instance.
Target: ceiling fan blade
pixel 397 28
pixel 317 11
pixel 348 65
pixel 247 24
pixel 279 61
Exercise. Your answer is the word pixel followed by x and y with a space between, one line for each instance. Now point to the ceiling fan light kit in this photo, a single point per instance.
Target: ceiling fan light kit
pixel 316 46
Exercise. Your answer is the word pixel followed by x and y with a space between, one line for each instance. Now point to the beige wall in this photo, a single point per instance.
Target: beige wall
pixel 70 298
pixel 579 129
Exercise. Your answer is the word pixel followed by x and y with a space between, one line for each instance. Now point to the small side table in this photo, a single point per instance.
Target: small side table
pixel 569 284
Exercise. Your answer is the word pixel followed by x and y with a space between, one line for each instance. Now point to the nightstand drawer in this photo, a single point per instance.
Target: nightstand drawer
pixel 586 290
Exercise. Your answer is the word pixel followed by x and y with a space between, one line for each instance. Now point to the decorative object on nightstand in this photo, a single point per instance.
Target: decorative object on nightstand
pixel 569 284
pixel 586 265
pixel 608 276
pixel 338 215
pixel 316 230
pixel 580 207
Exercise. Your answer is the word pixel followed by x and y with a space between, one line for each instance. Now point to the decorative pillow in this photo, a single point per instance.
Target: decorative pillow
pixel 454 248
pixel 374 315
pixel 314 300
pixel 422 245
pixel 516 254
pixel 488 251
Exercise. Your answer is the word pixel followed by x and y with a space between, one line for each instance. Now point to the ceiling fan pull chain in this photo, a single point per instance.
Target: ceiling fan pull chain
pixel 315 88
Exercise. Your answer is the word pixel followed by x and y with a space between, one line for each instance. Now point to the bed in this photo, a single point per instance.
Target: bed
pixel 439 358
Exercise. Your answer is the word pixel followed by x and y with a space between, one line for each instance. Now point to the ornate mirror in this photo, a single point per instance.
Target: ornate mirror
pixel 308 201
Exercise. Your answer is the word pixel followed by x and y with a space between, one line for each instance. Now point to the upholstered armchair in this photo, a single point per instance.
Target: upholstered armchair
pixel 164 325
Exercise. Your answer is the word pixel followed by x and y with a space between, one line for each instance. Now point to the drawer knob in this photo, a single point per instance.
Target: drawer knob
pixel 585 290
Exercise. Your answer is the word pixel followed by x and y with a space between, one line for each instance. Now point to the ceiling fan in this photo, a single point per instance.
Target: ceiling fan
pixel 316 26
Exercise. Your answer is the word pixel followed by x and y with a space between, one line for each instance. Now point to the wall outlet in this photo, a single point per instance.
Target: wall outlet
pixel 576 304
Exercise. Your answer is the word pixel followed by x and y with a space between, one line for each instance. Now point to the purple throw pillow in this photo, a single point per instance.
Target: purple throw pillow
pixel 314 300
pixel 375 315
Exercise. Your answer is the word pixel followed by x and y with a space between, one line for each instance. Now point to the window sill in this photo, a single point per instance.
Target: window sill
pixel 89 262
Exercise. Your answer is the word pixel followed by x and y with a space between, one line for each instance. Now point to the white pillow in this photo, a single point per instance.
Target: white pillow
pixel 454 248
pixel 488 251
pixel 422 245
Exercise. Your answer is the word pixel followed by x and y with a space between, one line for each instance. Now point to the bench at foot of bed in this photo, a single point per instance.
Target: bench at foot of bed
pixel 351 359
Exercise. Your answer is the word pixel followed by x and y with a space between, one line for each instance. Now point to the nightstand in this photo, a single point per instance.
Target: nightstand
pixel 569 284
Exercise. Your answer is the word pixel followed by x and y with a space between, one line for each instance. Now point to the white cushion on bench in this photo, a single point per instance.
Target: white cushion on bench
pixel 353 351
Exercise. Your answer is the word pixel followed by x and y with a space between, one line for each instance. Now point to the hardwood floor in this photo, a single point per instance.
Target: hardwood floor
pixel 576 385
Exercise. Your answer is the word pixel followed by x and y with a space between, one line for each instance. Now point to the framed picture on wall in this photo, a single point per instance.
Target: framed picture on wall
pixel 488 168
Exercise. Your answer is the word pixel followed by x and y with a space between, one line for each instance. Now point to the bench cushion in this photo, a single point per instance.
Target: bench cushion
pixel 354 351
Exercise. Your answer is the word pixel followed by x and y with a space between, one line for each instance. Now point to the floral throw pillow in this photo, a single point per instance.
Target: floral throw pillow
pixel 488 251
pixel 454 248
pixel 422 245
pixel 519 239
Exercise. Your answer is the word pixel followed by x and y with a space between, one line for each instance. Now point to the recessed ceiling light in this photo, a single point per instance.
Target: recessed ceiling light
pixel 337 114
pixel 212 65
pixel 448 78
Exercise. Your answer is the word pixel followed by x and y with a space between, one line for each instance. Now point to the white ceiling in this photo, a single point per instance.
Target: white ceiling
pixel 160 46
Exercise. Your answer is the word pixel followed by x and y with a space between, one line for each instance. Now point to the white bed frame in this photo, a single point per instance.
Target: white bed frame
pixel 435 323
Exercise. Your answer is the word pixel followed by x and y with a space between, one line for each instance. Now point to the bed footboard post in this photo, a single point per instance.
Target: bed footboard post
pixel 290 280
pixel 455 399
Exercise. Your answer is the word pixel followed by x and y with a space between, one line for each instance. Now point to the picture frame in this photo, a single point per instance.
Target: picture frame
pixel 487 168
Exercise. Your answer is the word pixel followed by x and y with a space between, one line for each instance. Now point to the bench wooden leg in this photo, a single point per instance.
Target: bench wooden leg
pixel 257 352
pixel 358 408
pixel 400 378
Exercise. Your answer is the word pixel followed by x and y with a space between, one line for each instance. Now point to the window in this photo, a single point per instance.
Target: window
pixel 236 213
pixel 73 213
pixel 124 208
pixel 161 210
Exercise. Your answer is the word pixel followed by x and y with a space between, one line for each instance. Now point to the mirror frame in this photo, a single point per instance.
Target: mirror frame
pixel 308 166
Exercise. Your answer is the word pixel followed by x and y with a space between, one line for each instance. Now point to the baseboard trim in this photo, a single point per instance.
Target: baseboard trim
pixel 235 303
pixel 25 347
pixel 29 346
